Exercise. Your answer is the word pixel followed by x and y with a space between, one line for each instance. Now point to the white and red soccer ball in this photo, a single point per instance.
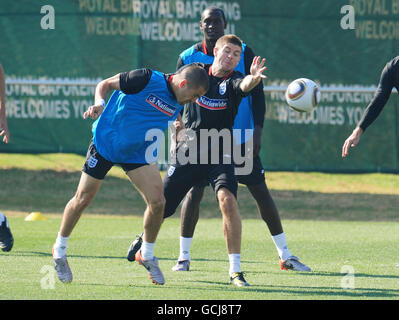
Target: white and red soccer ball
pixel 302 95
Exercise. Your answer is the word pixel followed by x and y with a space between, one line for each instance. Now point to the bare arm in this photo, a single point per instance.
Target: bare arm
pixel 177 130
pixel 3 120
pixel 102 90
pixel 253 79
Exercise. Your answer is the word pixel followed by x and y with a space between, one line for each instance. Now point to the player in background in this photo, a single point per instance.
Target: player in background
pixel 6 237
pixel 389 79
pixel 143 100
pixel 250 115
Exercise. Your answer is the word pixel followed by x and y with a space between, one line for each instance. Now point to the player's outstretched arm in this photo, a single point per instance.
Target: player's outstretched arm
pixel 351 141
pixel 102 90
pixel 3 120
pixel 253 79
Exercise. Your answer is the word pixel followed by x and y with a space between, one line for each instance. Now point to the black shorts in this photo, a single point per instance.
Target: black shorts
pixel 97 167
pixel 179 180
pixel 256 176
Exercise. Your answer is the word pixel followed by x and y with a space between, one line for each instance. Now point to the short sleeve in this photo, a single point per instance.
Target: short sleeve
pixel 134 81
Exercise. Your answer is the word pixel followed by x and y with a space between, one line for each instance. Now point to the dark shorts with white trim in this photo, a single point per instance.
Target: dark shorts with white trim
pixel 180 178
pixel 255 177
pixel 97 167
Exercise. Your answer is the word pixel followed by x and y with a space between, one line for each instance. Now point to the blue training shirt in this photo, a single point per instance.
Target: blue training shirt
pixel 119 133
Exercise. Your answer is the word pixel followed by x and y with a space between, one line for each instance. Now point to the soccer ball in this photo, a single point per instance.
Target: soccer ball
pixel 302 95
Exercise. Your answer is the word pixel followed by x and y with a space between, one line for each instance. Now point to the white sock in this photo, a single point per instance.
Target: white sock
pixel 281 244
pixel 147 250
pixel 235 263
pixel 60 246
pixel 185 245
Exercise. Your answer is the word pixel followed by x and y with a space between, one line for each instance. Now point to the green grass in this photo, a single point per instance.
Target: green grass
pixel 97 257
pixel 331 221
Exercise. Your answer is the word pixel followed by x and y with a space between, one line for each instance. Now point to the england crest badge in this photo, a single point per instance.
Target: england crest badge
pixel 222 88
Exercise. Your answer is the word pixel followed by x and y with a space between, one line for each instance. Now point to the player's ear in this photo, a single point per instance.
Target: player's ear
pixel 215 51
pixel 183 83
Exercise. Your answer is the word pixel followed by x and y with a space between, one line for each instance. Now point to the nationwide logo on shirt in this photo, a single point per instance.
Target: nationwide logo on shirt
pixel 212 104
pixel 161 105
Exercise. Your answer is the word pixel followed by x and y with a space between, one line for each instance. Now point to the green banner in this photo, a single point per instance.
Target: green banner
pixel 80 42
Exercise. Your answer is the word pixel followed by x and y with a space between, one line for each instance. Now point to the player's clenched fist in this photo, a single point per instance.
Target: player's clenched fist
pixel 93 112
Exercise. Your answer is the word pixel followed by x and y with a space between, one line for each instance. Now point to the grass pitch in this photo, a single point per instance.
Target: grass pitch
pixel 347 234
pixel 334 250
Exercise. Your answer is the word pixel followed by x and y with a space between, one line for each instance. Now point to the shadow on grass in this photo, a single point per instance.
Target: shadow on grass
pixel 48 191
pixel 284 290
pixel 208 260
pixel 47 254
pixel 336 274
pixel 295 291
pixel 337 291
pixel 361 275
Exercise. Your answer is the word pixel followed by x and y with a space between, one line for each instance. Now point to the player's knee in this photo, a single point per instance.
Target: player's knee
pixel 195 194
pixel 227 200
pixel 157 204
pixel 260 188
pixel 83 199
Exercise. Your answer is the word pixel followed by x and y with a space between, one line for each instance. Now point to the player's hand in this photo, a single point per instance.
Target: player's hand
pixel 178 125
pixel 351 141
pixel 93 112
pixel 176 128
pixel 173 144
pixel 4 132
pixel 257 68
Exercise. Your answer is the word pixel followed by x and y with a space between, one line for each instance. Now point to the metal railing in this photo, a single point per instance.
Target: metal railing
pixel 55 82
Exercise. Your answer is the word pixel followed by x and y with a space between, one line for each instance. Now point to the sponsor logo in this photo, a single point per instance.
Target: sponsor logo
pixel 212 104
pixel 161 105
